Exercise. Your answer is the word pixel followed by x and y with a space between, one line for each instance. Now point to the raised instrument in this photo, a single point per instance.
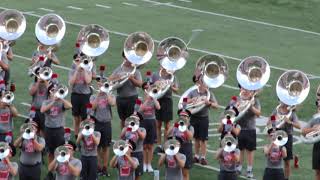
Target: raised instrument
pixel 4 150
pixel 8 97
pixel 213 71
pixel 229 143
pixel 171 147
pixel 87 127
pixel 280 138
pixel 120 148
pixel 62 154
pixel 132 122
pixel 28 131
pixel 12 24
pixel 61 92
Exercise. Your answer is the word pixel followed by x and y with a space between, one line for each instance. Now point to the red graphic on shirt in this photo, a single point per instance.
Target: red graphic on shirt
pixel 227 160
pixel 88 143
pixel 54 111
pixel 4 174
pixel 179 134
pixel 80 79
pixel 275 156
pixel 132 136
pixel 5 117
pixel 148 110
pixel 171 162
pixel 29 147
pixel 125 168
pixel 41 92
pixel 102 103
pixel 63 169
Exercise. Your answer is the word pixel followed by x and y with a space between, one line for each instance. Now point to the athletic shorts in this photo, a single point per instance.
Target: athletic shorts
pixel 186 149
pixel 79 102
pixel 125 106
pixel 276 174
pixel 166 112
pixel 151 130
pixel 29 172
pixel 39 118
pixel 224 175
pixel 89 168
pixel 316 156
pixel 289 148
pixel 201 127
pixel 106 133
pixel 139 156
pixel 247 140
pixel 54 138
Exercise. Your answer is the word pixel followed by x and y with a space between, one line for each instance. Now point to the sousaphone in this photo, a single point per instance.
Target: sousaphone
pixel 12 24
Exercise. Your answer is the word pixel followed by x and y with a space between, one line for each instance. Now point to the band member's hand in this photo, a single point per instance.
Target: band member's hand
pixel 131 77
pixel 55 98
pixel 49 55
pixel 208 102
pixel 316 127
pixel 287 120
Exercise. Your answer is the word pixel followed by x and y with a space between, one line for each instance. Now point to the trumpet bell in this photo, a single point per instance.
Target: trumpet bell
pixel 45 73
pixel 229 114
pixel 106 88
pixel 293 87
pixel 171 147
pixel 172 53
pixel 87 127
pixel 86 63
pixel 229 143
pixel 182 126
pixel 8 97
pixel 12 24
pixel 62 91
pixel 253 73
pixel 50 29
pixel 133 123
pixel 62 154
pixel 214 70
pixel 138 48
pixel 28 131
pixel 94 40
pixel 120 148
pixel 4 150
pixel 280 138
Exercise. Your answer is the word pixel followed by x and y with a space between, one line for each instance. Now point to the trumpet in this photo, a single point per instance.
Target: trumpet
pixel 28 131
pixel 8 97
pixel 120 148
pixel 87 127
pixel 62 154
pixel 280 138
pixel 133 122
pixel 213 71
pixel 229 143
pixel 4 150
pixel 61 92
pixel 171 147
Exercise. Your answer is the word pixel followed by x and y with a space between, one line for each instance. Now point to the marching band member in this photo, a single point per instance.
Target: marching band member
pixel 183 132
pixel 173 160
pixel 290 122
pixel 228 126
pixel 200 122
pixel 101 105
pixel 79 80
pixel 31 145
pixel 43 53
pixel 165 114
pixel 8 169
pixel 68 170
pixel 7 112
pixel 125 163
pixel 136 134
pixel 89 141
pixel 314 125
pixel 54 109
pixel 228 156
pixel 127 93
pixel 247 137
pixel 7 55
pixel 147 109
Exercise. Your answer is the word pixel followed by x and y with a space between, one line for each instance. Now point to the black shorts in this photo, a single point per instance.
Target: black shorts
pixel 165 113
pixel 89 167
pixel 39 118
pixel 79 102
pixel 106 133
pixel 276 174
pixel 289 148
pixel 29 172
pixel 247 140
pixel 7 77
pixel 225 175
pixel 151 130
pixel 125 106
pixel 186 149
pixel 54 138
pixel 316 156
pixel 139 156
pixel 201 127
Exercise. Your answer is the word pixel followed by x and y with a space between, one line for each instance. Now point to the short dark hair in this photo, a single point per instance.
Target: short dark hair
pixel 133 144
pixel 74 146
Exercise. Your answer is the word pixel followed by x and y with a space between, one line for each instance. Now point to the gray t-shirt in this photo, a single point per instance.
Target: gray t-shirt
pixel 226 162
pixel 29 156
pixel 173 171
pixel 248 120
pixel 6 122
pixel 135 138
pixel 4 171
pixel 79 86
pixel 149 110
pixel 48 62
pixel 288 128
pixel 205 111
pixel 103 110
pixel 5 60
pixel 155 77
pixel 63 172
pixel 274 159
pixel 93 70
pixel 40 95
pixel 182 135
pixel 125 170
pixel 128 89
pixel 54 117
pixel 88 148
pixel 314 121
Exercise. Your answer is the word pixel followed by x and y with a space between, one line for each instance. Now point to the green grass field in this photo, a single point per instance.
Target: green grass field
pixel 282 31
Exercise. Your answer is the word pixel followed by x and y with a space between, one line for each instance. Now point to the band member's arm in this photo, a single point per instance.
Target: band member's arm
pixel 46 107
pixel 218 155
pixel 73 76
pixel 53 165
pixel 113 162
pixel 212 102
pixel 161 160
pixel 10 54
pixel 87 77
pixel 181 162
pixel 189 133
pixel 220 129
pixel 256 108
pixel 53 58
pixel 66 104
pixel 141 133
pixel 96 138
pixel 267 148
pixel 80 136
pixel 136 82
pixel 34 88
pixel 175 86
pixel 133 163
pixel 111 99
pixel 236 156
pixel 236 130
pixel 13 110
pixel 94 102
pixel 74 170
pixel 156 104
pixel 17 143
pixel 38 146
pixel 295 122
pixel 12 170
pixel 4 66
pixel 284 152
pixel 309 128
pixel 123 132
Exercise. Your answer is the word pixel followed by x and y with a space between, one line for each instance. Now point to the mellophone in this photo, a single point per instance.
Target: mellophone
pixel 253 73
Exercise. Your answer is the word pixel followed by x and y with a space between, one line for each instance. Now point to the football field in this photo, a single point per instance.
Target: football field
pixel 285 32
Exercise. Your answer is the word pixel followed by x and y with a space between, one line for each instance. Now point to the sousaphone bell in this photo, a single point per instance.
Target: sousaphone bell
pixel 12 24
pixel 120 148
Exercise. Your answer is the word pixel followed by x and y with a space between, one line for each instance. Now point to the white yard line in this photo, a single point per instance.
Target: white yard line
pixel 25 104
pixel 103 6
pixel 193 49
pixel 129 4
pixel 234 17
pixel 188 1
pixel 75 8
pixel 46 9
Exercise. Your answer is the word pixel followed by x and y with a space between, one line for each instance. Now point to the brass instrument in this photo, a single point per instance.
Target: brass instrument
pixel 4 150
pixel 87 127
pixel 171 147
pixel 61 92
pixel 86 63
pixel 280 138
pixel 229 143
pixel 12 24
pixel 213 72
pixel 62 154
pixel 8 97
pixel 120 148
pixel 132 122
pixel 28 131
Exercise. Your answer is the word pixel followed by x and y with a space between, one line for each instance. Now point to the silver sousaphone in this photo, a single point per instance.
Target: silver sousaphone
pixel 12 24
pixel 252 74
pixel 213 70
pixel 172 53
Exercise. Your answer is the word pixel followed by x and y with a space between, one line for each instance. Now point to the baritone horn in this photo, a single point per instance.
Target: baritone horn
pixel 28 131
pixel 12 24
pixel 87 127
pixel 212 70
